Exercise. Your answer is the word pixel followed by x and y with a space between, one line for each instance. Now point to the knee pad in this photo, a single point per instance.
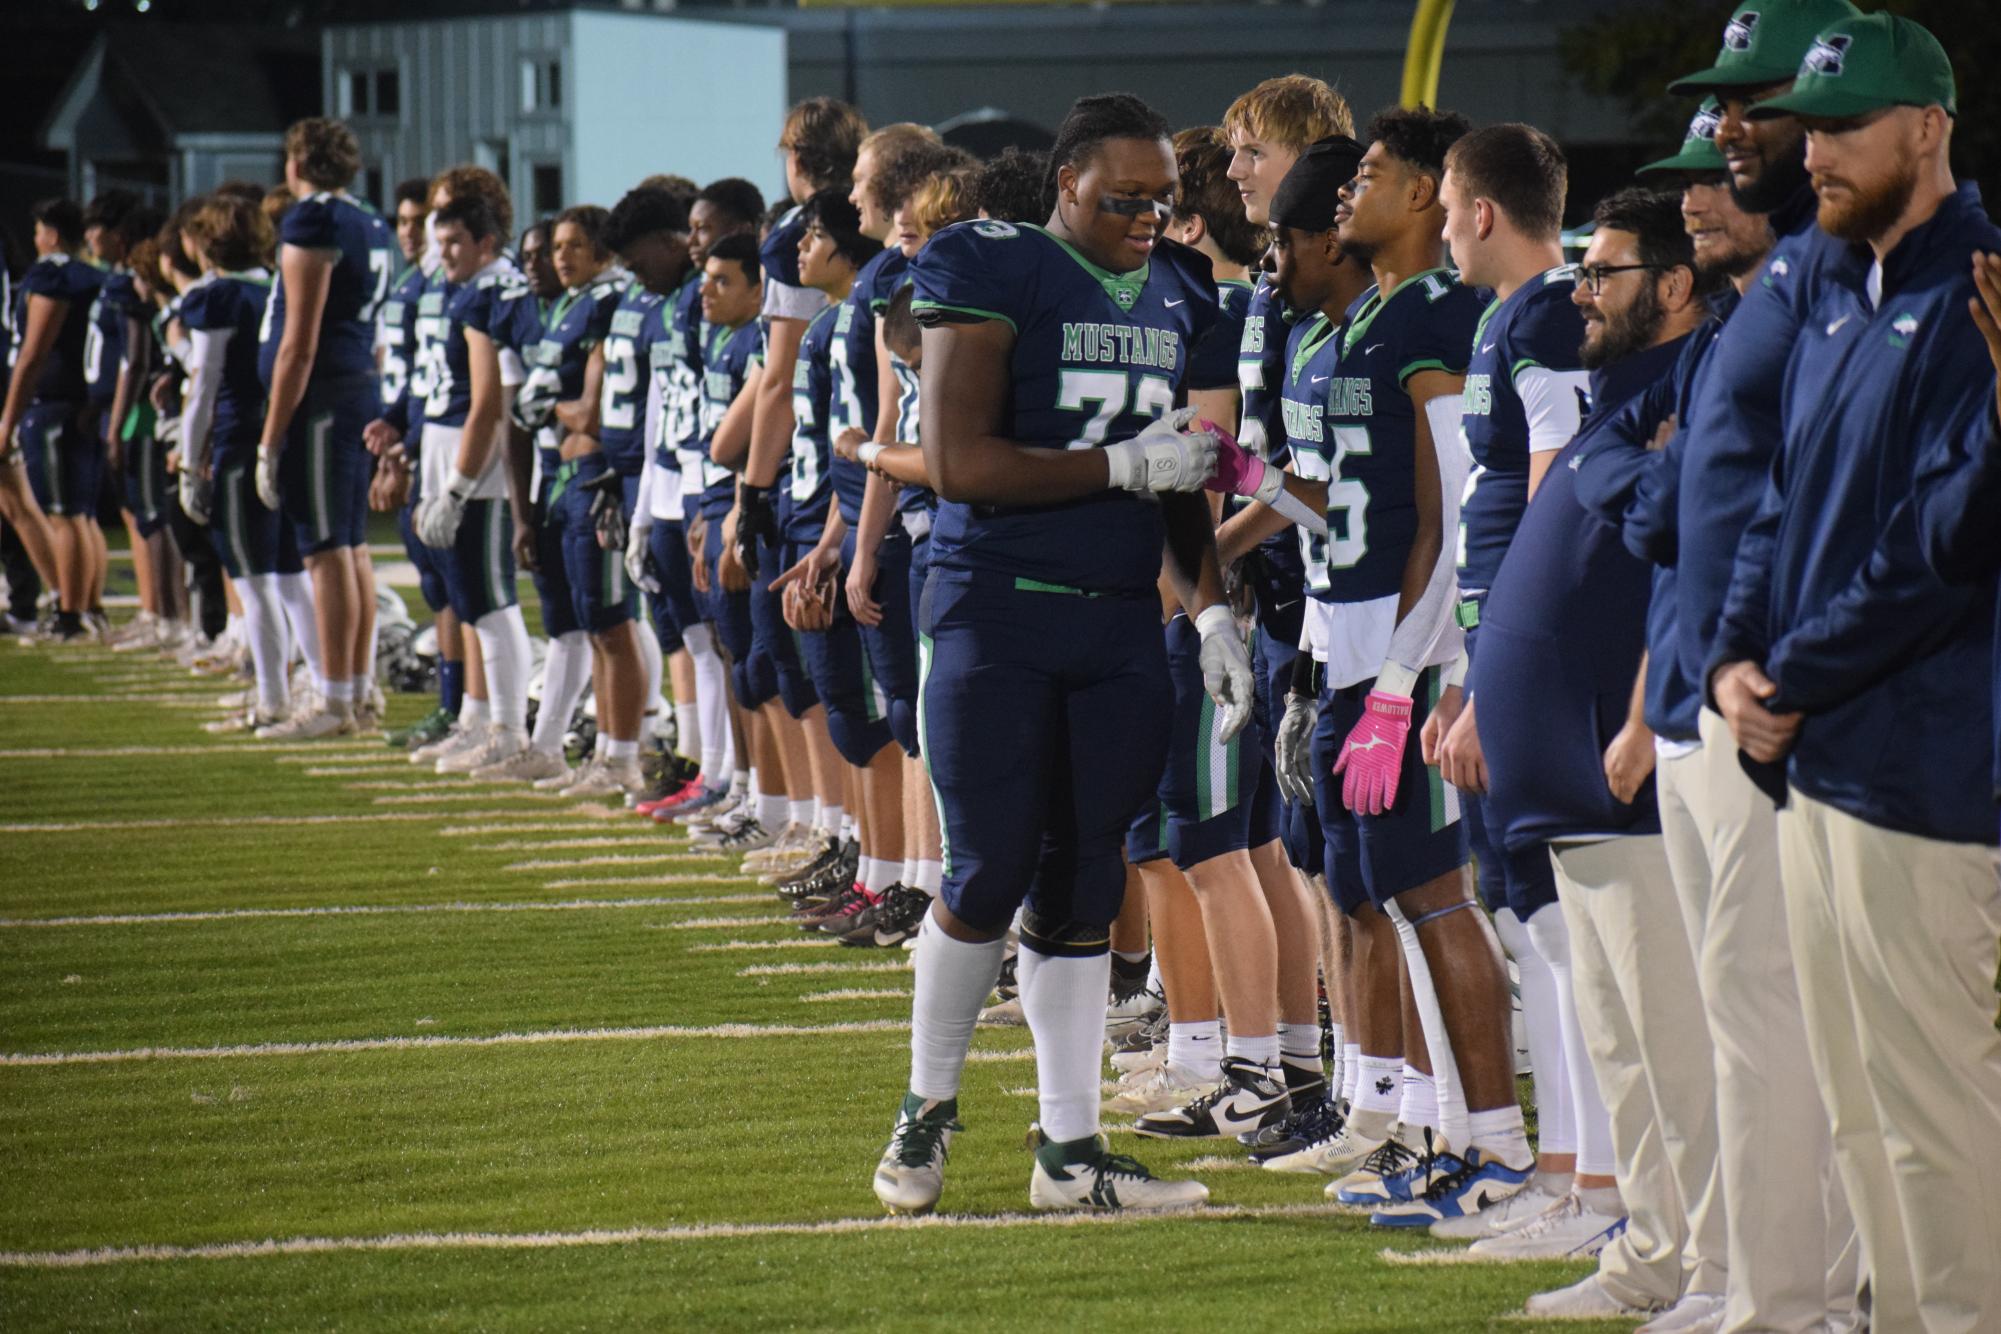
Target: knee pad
pixel 903 725
pixel 857 739
pixel 1062 938
pixel 754 681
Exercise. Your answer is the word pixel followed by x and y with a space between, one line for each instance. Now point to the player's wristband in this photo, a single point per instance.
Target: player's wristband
pixel 868 452
pixel 1455 672
pixel 1396 679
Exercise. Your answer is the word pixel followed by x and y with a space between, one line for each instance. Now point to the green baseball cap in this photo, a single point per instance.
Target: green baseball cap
pixel 1763 43
pixel 1859 65
pixel 1698 151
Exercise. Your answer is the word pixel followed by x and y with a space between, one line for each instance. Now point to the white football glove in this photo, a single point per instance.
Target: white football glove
pixel 637 538
pixel 439 516
pixel 1226 667
pixel 1163 457
pixel 1293 749
pixel 267 476
pixel 197 493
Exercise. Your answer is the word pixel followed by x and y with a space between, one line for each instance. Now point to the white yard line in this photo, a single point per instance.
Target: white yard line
pixel 474 794
pixel 794 969
pixel 346 1046
pixel 636 839
pixel 379 910
pixel 733 946
pixel 587 882
pixel 319 749
pixel 538 1241
pixel 204 822
pixel 718 923
pixel 609 859
pixel 854 994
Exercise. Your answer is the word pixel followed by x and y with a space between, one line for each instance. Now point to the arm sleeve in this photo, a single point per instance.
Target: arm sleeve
pixel 1546 368
pixel 208 347
pixel 1553 402
pixel 1430 623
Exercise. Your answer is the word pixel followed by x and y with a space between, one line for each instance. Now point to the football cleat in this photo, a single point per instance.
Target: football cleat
pixel 1143 1048
pixel 1161 1088
pixel 1335 1155
pixel 1517 1210
pixel 1464 1185
pixel 1131 1002
pixel 610 778
pixel 556 782
pixel 244 720
pixel 889 921
pixel 526 765
pixel 911 1175
pixel 817 875
pixel 313 726
pixel 843 922
pixel 1312 1120
pixel 1565 1230
pixel 839 907
pixel 1084 1175
pixel 1695 1313
pixel 459 736
pixel 1585 1299
pixel 668 796
pixel 1392 1174
pixel 1248 1099
pixel 749 836
pixel 701 800
pixel 501 745
pixel 431 727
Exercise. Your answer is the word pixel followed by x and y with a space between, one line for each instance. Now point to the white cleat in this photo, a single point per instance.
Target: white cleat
pixel 1515 1211
pixel 1333 1157
pixel 611 778
pixel 1101 1180
pixel 464 736
pixel 527 765
pixel 501 745
pixel 1695 1313
pixel 1162 1088
pixel 1565 1230
pixel 556 782
pixel 911 1175
pixel 316 725
pixel 1585 1299
pixel 243 720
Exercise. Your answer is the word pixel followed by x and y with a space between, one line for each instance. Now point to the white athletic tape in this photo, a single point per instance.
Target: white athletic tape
pixel 380 910
pixel 347 1046
pixel 538 1241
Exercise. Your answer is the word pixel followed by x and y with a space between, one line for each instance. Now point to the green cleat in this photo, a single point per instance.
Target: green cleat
pixel 423 732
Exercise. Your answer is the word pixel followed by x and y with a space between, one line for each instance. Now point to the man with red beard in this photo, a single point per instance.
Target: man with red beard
pixel 1842 655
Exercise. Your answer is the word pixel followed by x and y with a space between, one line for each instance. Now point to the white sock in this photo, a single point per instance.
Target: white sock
pixel 833 822
pixel 688 731
pixel 1594 1124
pixel 1451 1120
pixel 264 626
pixel 472 712
pixel 1196 1048
pixel 1153 982
pixel 506 661
pixel 711 701
pixel 908 875
pixel 1351 1070
pixel 1063 1000
pixel 772 810
pixel 952 981
pixel 1498 1133
pixel 798 812
pixel 1556 1119
pixel 566 670
pixel 654 705
pixel 341 691
pixel 877 874
pixel 930 877
pixel 617 751
pixel 1379 1084
pixel 296 592
pixel 1419 1104
pixel 1263 1050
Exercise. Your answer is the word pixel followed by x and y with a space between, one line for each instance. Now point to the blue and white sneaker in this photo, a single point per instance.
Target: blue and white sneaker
pixel 1394 1174
pixel 1567 1230
pixel 1470 1182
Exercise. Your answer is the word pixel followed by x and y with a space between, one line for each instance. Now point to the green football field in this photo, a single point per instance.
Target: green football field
pixel 302 1035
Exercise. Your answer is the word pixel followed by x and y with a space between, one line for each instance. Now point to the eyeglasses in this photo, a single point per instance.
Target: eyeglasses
pixel 1593 275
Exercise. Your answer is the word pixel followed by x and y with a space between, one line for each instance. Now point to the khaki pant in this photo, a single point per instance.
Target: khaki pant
pixel 1639 1007
pixel 1794 1258
pixel 1894 940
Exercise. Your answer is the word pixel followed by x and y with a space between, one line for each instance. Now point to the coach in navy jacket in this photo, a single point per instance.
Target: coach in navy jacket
pixel 1831 592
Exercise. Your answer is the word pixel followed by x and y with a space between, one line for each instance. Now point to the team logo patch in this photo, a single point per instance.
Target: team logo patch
pixel 1737 34
pixel 1128 297
pixel 1902 328
pixel 995 230
pixel 1827 56
pixel 1706 123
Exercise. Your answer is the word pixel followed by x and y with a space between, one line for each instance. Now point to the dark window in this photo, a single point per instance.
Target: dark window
pixel 548 187
pixel 555 98
pixel 372 186
pixel 357 94
pixel 389 93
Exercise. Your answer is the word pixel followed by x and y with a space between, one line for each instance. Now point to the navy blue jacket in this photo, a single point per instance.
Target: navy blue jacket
pixel 1733 429
pixel 1638 489
pixel 1831 592
pixel 1560 640
pixel 1958 496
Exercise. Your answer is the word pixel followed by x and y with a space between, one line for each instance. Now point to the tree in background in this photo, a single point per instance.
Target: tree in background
pixel 1630 54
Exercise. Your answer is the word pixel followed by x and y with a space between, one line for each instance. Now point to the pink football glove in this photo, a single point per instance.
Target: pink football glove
pixel 1372 757
pixel 1238 471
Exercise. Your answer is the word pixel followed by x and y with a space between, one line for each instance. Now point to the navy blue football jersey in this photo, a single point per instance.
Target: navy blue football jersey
pixel 427 358
pixel 364 259
pixel 475 304
pixel 575 325
pixel 726 361
pixel 784 295
pixel 104 344
pixel 1214 365
pixel 852 355
pixel 59 278
pixel 814 395
pixel 1426 323
pixel 676 358
pixel 1537 328
pixel 1261 362
pixel 397 335
pixel 1311 354
pixel 233 304
pixel 1096 357
pixel 628 374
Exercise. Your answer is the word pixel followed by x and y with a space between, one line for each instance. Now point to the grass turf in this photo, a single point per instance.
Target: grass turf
pixel 512 1140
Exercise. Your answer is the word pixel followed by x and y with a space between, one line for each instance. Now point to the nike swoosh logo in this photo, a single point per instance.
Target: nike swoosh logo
pixel 1320 379
pixel 1172 304
pixel 1487 347
pixel 1370 348
pixel 1281 606
pixel 1374 742
pixel 1835 327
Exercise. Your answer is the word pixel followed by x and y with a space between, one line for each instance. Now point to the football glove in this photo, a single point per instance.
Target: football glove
pixel 1163 457
pixel 1242 473
pixel 267 476
pixel 439 516
pixel 1226 668
pixel 756 521
pixel 197 495
pixel 1293 747
pixel 607 509
pixel 1371 762
pixel 638 554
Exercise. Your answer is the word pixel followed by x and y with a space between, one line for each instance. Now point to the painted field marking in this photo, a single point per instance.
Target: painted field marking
pixel 734 946
pixel 854 994
pixel 378 910
pixel 793 969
